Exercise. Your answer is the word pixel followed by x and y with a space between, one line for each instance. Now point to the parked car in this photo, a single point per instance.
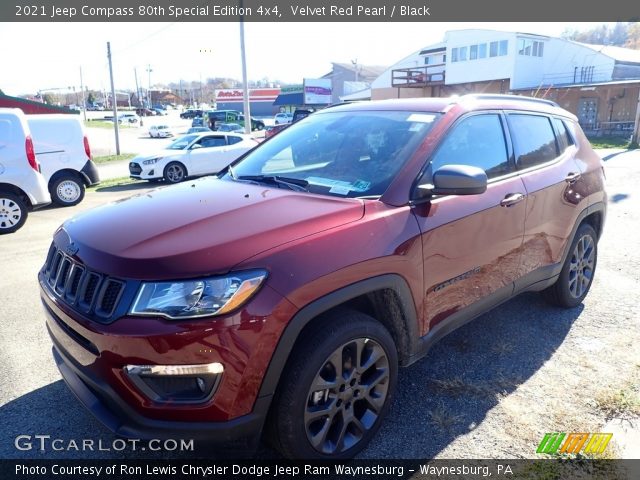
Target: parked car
pixel 283 117
pixel 197 122
pixel 215 118
pixel 160 111
pixel 190 113
pixel 198 130
pixel 298 115
pixel 230 127
pixel 317 264
pixel 62 148
pixel 128 118
pixel 160 131
pixel 191 155
pixel 22 186
pixel 145 112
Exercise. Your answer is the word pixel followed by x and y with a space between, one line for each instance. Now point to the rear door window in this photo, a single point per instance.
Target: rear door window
pixel 564 138
pixel 533 138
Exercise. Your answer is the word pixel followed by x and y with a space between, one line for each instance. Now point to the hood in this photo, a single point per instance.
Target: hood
pixel 198 227
pixel 158 154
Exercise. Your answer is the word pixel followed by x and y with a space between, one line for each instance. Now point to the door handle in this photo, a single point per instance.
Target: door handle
pixel 572 177
pixel 512 199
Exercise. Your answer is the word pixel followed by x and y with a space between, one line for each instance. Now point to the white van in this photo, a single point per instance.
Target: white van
pixel 22 186
pixel 62 148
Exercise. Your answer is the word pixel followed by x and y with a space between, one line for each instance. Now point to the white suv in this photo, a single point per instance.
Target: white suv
pixel 22 186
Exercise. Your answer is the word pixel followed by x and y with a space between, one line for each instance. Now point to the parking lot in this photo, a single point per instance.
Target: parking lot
pixel 489 390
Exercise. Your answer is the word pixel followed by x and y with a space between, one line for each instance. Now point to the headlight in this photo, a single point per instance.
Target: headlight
pixel 151 161
pixel 197 298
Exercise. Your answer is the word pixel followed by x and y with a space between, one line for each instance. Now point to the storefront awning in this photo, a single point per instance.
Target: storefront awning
pixel 290 99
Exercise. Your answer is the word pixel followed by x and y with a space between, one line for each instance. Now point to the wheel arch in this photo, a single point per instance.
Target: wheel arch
pixel 10 188
pixel 387 298
pixel 64 172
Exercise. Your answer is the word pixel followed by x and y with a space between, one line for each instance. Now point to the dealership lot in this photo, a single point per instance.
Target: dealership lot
pixel 491 389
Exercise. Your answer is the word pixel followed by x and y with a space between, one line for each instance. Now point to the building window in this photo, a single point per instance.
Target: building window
pixel 473 52
pixel 530 48
pixel 504 44
pixel 482 50
pixel 463 54
pixel 493 49
pixel 454 55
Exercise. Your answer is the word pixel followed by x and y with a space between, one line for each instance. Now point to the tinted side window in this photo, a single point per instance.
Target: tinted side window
pixel 534 140
pixel 478 141
pixel 231 139
pixel 564 139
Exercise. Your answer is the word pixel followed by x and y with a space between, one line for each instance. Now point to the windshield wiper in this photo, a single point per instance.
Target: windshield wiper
pixel 296 184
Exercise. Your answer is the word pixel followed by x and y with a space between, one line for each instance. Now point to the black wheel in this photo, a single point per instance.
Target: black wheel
pixel 260 126
pixel 13 212
pixel 578 270
pixel 175 172
pixel 336 389
pixel 67 190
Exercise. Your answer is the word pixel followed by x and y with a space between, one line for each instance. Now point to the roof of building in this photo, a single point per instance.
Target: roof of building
pixel 364 71
pixel 620 54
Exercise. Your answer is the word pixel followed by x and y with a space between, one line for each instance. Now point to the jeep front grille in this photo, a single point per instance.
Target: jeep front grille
pixel 87 291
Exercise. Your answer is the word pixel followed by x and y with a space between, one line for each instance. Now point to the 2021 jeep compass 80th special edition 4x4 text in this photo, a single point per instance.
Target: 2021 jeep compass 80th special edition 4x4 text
pixel 280 297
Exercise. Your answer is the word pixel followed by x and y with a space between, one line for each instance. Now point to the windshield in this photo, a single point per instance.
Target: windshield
pixel 346 154
pixel 182 142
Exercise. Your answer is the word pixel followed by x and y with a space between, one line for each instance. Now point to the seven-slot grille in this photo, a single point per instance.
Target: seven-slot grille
pixel 79 287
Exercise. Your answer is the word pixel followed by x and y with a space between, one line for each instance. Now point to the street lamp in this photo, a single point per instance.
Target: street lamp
pixel 149 70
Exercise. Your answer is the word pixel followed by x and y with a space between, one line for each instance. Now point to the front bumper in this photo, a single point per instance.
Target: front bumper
pixel 107 407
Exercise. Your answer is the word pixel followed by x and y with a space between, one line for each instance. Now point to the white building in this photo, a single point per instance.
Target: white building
pixel 597 83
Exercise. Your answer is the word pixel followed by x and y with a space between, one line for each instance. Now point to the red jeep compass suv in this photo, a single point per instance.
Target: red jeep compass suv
pixel 281 296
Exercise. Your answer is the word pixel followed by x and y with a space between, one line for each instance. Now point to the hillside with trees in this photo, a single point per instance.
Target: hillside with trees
pixel 622 34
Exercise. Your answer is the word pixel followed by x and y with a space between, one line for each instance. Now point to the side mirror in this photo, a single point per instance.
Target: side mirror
pixel 455 180
pixel 195 146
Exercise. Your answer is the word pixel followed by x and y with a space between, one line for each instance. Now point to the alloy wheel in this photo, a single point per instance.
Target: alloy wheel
pixel 347 396
pixel 582 266
pixel 175 173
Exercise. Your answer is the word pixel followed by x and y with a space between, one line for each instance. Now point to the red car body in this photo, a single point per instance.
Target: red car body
pixel 440 262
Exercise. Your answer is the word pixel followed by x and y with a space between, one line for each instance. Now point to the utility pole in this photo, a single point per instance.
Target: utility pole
pixel 115 100
pixel 84 102
pixel 245 82
pixel 135 74
pixel 149 89
pixel 635 138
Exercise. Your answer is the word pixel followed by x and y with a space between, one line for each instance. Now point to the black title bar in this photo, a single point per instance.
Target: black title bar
pixel 315 11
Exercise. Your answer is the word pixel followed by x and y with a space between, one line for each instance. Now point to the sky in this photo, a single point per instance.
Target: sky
pixel 41 56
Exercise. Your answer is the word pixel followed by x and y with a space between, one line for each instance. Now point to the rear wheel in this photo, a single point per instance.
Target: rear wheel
pixel 13 212
pixel 578 270
pixel 336 389
pixel 175 172
pixel 67 190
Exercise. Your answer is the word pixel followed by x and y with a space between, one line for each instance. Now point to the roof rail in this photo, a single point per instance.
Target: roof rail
pixel 495 96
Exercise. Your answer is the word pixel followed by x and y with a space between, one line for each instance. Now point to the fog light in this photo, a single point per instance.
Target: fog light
pixel 176 383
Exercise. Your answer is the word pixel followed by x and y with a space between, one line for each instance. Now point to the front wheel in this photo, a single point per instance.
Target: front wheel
pixel 578 270
pixel 13 212
pixel 175 172
pixel 336 389
pixel 67 190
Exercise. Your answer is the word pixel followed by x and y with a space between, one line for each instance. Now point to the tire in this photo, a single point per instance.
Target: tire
pixel 296 426
pixel 13 212
pixel 175 172
pixel 67 190
pixel 260 126
pixel 578 270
